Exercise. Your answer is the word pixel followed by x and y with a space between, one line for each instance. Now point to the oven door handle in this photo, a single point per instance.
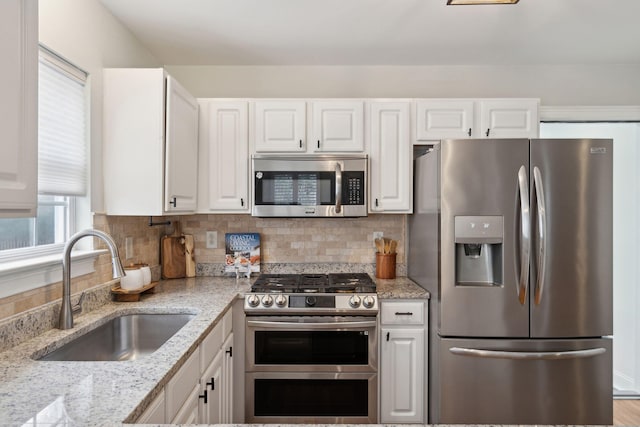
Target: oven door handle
pixel 297 325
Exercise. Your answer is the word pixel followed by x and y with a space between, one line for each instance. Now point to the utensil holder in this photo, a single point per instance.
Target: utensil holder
pixel 385 266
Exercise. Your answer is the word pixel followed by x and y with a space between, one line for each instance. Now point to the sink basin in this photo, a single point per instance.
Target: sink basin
pixel 127 337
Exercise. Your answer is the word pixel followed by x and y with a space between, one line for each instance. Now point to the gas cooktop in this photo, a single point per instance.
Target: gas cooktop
pixel 312 293
pixel 314 283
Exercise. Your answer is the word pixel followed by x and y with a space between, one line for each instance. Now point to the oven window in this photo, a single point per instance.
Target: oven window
pixel 311 347
pixel 295 188
pixel 308 397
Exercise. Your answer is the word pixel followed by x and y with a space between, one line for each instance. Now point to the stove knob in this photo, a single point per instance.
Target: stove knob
pixel 253 300
pixel 281 300
pixel 354 301
pixel 310 301
pixel 267 300
pixel 368 301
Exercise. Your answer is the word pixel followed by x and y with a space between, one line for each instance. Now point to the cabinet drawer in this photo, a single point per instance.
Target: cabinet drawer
pixel 402 313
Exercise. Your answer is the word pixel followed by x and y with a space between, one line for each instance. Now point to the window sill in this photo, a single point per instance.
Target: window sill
pixel 27 274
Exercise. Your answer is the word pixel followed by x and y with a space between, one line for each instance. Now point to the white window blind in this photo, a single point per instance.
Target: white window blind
pixel 62 148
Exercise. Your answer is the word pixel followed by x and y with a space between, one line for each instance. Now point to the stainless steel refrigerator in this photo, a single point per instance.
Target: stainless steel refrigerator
pixel 513 238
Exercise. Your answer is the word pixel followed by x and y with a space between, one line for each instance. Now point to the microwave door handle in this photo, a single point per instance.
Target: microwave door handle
pixel 338 188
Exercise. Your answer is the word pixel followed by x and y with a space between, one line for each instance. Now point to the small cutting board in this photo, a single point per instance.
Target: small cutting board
pixel 173 257
pixel 189 255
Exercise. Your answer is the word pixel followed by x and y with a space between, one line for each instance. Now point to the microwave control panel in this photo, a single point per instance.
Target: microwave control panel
pixel 353 188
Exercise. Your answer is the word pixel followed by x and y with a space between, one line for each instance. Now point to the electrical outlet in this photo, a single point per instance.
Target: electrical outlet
pixel 377 235
pixel 128 247
pixel 212 239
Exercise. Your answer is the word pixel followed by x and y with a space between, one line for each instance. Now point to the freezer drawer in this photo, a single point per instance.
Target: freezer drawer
pixel 525 381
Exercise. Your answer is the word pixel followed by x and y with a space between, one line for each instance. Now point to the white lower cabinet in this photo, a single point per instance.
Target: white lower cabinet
pixel 403 382
pixel 201 391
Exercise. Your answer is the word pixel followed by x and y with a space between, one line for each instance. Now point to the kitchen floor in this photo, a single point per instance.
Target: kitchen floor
pixel 626 412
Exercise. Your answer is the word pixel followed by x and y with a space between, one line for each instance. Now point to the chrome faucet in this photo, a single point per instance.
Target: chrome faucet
pixel 66 311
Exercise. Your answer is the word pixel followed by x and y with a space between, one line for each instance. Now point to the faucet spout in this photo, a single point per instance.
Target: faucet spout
pixel 66 312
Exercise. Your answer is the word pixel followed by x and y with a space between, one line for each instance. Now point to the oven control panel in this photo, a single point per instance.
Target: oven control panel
pixel 281 303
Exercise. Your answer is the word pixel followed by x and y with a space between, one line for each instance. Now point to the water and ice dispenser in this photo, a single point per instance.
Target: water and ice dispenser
pixel 479 256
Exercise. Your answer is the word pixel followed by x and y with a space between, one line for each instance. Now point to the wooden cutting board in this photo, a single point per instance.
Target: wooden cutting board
pixel 173 257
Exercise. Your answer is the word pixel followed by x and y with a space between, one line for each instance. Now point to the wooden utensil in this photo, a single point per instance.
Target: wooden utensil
pixel 379 245
pixel 190 260
pixel 392 246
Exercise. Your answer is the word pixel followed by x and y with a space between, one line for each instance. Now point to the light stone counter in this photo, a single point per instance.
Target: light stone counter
pixel 110 393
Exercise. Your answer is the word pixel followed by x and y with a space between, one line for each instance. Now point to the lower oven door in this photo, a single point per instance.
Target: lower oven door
pixel 311 344
pixel 311 398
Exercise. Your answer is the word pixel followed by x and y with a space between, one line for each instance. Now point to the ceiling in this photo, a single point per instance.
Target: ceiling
pixel 383 32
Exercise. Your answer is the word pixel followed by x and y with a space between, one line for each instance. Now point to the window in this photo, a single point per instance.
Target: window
pixel 62 162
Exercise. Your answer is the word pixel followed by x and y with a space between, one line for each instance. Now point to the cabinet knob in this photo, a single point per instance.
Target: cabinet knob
pixel 300 143
pixel 377 204
pixel 174 202
pixel 203 396
pixel 241 202
pixel 211 383
pixel 318 143
pixel 469 132
pixel 488 130
pixel 388 333
pixel 230 352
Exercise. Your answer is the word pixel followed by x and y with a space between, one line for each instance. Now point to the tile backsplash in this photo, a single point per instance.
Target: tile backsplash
pixel 284 242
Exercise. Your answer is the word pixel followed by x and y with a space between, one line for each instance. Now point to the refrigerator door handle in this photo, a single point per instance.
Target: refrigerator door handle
pixel 525 234
pixel 541 235
pixel 528 355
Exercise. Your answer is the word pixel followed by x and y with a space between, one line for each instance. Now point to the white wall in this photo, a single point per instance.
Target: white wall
pixel 555 85
pixel 85 33
pixel 626 240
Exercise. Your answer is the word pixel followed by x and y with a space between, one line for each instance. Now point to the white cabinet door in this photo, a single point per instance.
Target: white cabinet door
pixel 402 375
pixel 224 157
pixel 142 174
pixel 19 108
pixel 188 414
pixel 444 119
pixel 179 389
pixel 154 414
pixel 211 384
pixel 280 126
pixel 181 156
pixel 338 126
pixel 509 118
pixel 227 381
pixel 391 162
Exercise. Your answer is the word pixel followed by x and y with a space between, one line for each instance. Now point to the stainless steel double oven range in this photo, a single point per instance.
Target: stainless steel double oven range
pixel 311 349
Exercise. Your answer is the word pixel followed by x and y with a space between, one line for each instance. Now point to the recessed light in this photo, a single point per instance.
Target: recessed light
pixel 461 2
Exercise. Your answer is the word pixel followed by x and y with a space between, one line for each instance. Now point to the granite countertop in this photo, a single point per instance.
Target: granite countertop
pixel 107 393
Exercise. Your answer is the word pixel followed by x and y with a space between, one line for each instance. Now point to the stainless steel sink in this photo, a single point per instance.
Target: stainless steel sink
pixel 127 337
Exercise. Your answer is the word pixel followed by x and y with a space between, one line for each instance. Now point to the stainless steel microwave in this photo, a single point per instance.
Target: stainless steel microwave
pixel 309 186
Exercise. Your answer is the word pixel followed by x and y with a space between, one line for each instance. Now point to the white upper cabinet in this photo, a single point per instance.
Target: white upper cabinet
pixel 509 118
pixel 330 126
pixel 150 133
pixel 477 118
pixel 280 126
pixel 223 184
pixel 338 126
pixel 390 160
pixel 19 108
pixel 444 119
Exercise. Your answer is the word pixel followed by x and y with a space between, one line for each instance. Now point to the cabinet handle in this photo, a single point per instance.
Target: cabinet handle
pixel 469 132
pixel 174 202
pixel 318 143
pixel 388 333
pixel 230 351
pixel 203 396
pixel 241 202
pixel 377 203
pixel 488 132
pixel 404 313
pixel 211 383
pixel 300 143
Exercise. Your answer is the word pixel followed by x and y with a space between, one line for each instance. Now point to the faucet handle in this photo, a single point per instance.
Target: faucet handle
pixel 77 308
